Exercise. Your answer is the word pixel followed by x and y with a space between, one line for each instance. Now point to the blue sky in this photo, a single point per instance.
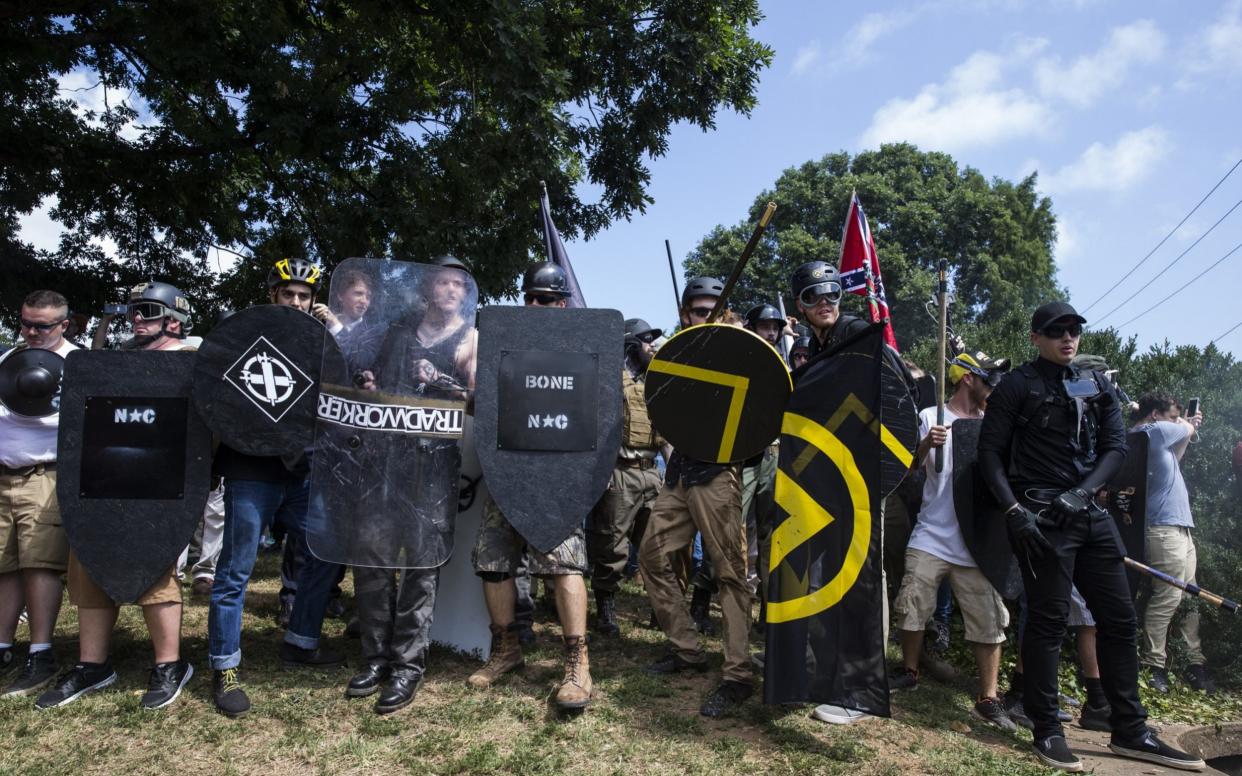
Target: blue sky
pixel 1129 111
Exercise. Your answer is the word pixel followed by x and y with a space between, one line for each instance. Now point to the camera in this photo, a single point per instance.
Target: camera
pixel 116 309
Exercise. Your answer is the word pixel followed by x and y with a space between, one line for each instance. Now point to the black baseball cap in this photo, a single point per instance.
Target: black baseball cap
pixel 1054 311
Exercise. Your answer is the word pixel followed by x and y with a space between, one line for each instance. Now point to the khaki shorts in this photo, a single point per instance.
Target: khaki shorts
pixel 982 609
pixel 31 534
pixel 499 548
pixel 85 594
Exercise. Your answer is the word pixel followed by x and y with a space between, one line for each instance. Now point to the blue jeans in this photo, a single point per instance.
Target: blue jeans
pixel 944 602
pixel 249 507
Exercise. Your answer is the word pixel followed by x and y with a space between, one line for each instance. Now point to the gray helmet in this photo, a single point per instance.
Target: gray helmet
pixel 448 260
pixel 801 343
pixel 762 312
pixel 167 297
pixel 819 277
pixel 637 327
pixel 545 278
pixel 295 271
pixel 703 286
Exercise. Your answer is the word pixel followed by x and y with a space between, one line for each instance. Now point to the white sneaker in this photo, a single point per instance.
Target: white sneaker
pixel 837 715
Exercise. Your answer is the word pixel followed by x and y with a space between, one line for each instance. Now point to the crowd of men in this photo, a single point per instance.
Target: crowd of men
pixel 1052 435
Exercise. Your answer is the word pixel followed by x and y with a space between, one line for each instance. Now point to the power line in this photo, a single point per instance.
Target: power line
pixel 1183 287
pixel 1166 238
pixel 1169 266
pixel 1226 334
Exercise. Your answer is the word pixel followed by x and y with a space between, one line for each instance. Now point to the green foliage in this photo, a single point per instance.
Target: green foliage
pixel 996 235
pixel 337 128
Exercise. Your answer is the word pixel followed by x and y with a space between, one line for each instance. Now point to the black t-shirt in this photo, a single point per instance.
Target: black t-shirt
pixel 845 327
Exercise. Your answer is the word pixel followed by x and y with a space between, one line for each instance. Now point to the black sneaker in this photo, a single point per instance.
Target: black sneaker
pixel 1158 680
pixel 39 671
pixel 902 678
pixel 230 696
pixel 1055 753
pixel 939 643
pixel 320 657
pixel 1197 677
pixel 1012 701
pixel 726 697
pixel 991 710
pixel 1096 718
pixel 78 681
pixel 8 661
pixel 167 679
pixel 673 663
pixel 1153 750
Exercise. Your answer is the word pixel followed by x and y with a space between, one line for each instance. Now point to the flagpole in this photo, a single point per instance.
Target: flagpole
pixel 547 238
pixel 723 300
pixel 943 289
pixel 673 274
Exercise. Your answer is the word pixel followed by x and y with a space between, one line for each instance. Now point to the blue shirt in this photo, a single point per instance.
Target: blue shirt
pixel 1168 502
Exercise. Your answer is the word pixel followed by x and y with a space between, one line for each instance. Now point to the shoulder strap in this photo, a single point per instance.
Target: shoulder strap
pixel 1036 392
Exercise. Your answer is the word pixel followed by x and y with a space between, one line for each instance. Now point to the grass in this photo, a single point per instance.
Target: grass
pixel 302 723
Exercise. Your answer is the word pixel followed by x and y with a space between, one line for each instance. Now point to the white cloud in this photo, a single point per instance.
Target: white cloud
pixel 39 228
pixel 1087 78
pixel 856 44
pixel 1218 47
pixel 91 99
pixel 806 56
pixel 1068 242
pixel 971 108
pixel 1112 168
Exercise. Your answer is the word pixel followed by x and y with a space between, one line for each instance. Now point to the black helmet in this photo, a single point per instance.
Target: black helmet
pixel 545 278
pixel 294 271
pixel 703 286
pixel 154 300
pixel 801 343
pixel 819 277
pixel 763 312
pixel 448 260
pixel 637 327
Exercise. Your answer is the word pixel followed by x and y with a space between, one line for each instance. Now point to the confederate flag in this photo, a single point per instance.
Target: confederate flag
pixel 860 267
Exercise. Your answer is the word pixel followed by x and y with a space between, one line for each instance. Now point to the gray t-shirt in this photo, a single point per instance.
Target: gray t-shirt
pixel 1168 502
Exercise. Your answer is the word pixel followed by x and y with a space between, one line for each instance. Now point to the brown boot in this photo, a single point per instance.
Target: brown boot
pixel 575 690
pixel 506 656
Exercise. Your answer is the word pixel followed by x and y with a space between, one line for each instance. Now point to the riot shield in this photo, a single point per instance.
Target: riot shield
pixel 548 414
pixel 384 473
pixel 134 464
pixel 30 382
pixel 716 392
pixel 256 379
pixel 978 514
pixel 1125 497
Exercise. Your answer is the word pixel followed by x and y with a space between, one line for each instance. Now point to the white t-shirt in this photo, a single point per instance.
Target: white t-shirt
pixel 26 441
pixel 937 531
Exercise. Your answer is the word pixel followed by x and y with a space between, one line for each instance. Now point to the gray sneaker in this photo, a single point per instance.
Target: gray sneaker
pixel 991 710
pixel 80 680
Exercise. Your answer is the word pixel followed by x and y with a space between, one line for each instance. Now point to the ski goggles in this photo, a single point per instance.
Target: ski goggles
pixel 1059 330
pixel 812 295
pixel 147 311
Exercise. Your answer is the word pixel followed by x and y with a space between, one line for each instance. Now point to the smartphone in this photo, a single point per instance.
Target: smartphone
pixel 1192 407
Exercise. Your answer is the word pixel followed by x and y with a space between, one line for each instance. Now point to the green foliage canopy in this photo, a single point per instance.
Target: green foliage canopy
pixel 336 128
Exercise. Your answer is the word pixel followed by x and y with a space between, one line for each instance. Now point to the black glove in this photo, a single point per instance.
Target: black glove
pixel 1024 533
pixel 1073 503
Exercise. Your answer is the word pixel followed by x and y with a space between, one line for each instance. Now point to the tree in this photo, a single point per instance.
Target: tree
pixel 336 128
pixel 921 207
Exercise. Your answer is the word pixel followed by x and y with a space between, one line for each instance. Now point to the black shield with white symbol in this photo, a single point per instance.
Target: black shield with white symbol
pixel 1125 497
pixel 256 379
pixel 134 464
pixel 384 473
pixel 546 401
pixel 716 392
pixel 545 487
pixel 30 382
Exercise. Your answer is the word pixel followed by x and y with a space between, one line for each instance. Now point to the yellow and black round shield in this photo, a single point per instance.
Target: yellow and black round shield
pixel 716 392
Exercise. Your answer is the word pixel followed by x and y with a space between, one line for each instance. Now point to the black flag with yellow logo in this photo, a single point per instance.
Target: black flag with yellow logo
pixel 825 609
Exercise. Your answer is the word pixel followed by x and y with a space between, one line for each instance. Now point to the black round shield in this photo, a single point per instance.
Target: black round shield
pixel 30 382
pixel 256 379
pixel 901 423
pixel 717 392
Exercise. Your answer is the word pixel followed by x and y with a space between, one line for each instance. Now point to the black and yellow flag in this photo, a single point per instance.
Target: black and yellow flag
pixel 825 608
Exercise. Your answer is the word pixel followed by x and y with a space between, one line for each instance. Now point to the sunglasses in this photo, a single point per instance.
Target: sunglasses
pixel 42 326
pixel 148 311
pixel 812 295
pixel 647 338
pixel 702 312
pixel 799 356
pixel 542 299
pixel 1058 330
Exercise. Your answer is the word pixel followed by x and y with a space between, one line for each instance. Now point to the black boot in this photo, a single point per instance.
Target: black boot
pixel 606 615
pixel 398 692
pixel 368 680
pixel 700 606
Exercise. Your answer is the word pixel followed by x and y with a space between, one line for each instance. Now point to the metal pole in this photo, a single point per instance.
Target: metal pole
pixel 943 289
pixel 673 274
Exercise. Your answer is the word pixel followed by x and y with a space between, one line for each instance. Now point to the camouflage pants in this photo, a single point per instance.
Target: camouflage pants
pixel 499 549
pixel 618 520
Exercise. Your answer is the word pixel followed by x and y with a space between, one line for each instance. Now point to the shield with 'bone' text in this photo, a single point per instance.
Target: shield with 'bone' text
pixel 134 464
pixel 548 414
